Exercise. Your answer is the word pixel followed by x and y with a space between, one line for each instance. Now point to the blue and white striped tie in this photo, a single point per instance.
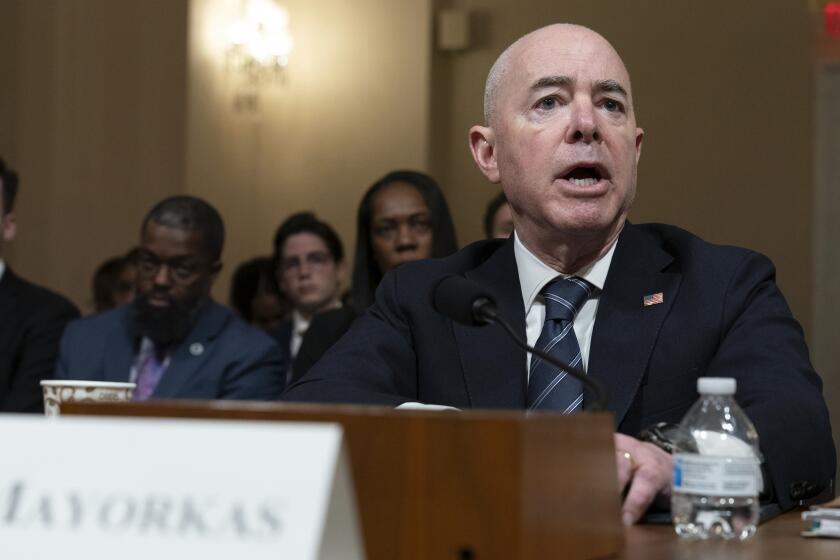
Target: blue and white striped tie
pixel 550 388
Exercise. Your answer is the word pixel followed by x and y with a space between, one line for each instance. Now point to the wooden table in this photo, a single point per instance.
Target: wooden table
pixel 777 539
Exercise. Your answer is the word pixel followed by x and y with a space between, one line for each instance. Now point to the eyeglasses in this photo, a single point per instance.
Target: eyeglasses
pixel 180 269
pixel 389 229
pixel 315 259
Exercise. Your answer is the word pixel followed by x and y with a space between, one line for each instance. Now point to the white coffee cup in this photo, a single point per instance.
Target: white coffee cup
pixel 57 392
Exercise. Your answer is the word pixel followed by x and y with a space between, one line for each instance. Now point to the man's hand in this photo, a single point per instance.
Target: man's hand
pixel 646 469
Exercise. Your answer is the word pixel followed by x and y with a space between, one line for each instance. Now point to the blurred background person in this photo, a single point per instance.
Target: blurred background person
pixel 174 341
pixel 402 217
pixel 114 282
pixel 32 320
pixel 255 296
pixel 309 263
pixel 498 221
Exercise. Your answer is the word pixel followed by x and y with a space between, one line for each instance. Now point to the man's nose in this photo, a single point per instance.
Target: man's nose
pixel 583 126
pixel 161 277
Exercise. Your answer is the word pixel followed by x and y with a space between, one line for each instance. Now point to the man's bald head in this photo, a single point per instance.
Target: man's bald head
pixel 567 31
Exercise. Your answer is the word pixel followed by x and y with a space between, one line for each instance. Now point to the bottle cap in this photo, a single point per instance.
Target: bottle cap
pixel 716 386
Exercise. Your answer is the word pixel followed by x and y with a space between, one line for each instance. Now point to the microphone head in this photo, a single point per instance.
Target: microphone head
pixel 463 300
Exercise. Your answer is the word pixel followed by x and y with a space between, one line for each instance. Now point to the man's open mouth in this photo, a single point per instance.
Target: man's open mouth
pixel 583 176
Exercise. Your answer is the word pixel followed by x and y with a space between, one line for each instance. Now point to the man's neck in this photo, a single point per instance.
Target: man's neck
pixel 569 253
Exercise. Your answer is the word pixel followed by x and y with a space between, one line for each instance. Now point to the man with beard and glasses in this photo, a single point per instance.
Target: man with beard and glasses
pixel 646 309
pixel 31 320
pixel 174 341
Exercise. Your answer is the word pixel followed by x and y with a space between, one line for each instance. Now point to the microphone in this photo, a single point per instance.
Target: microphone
pixel 470 304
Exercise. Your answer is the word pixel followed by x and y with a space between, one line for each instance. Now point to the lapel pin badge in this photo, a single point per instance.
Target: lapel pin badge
pixel 653 299
pixel 196 349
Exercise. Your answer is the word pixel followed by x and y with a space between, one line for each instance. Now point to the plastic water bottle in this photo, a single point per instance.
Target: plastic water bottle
pixel 716 483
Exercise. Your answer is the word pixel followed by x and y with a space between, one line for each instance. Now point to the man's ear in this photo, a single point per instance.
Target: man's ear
pixel 483 148
pixel 341 272
pixel 8 226
pixel 640 135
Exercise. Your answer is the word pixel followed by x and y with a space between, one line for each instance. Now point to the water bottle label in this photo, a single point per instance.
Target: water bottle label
pixel 716 476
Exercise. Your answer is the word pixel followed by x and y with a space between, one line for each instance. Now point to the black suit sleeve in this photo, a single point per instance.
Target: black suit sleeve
pixel 763 347
pixel 374 363
pixel 36 356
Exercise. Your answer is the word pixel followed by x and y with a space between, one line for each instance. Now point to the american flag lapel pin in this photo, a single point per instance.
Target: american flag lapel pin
pixel 653 299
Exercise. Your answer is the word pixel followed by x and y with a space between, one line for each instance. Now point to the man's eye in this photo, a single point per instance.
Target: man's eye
pixel 612 106
pixel 547 103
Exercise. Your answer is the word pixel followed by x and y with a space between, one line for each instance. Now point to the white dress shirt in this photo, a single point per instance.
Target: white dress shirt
pixel 534 275
pixel 299 328
pixel 2 268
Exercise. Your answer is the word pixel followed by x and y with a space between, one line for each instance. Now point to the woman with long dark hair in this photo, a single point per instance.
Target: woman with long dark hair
pixel 391 228
pixel 402 217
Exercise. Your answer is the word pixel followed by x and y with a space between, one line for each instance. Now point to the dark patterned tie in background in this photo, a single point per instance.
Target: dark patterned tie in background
pixel 550 388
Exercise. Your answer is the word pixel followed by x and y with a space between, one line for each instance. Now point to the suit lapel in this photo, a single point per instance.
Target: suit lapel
pixel 191 354
pixel 119 349
pixel 625 329
pixel 494 368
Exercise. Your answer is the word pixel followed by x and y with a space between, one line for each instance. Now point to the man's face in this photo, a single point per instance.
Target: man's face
pixel 563 140
pixel 173 267
pixel 308 274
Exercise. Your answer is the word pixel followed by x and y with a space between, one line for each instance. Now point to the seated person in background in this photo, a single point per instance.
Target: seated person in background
pixel 254 294
pixel 31 320
pixel 645 309
pixel 114 282
pixel 402 217
pixel 309 263
pixel 174 341
pixel 498 221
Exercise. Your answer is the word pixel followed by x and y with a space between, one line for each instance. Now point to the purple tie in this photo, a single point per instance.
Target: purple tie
pixel 148 376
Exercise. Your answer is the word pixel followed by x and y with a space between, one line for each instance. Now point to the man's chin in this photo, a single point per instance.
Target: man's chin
pixel 165 324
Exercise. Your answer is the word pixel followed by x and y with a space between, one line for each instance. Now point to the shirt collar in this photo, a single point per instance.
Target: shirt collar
pixel 2 268
pixel 299 324
pixel 535 274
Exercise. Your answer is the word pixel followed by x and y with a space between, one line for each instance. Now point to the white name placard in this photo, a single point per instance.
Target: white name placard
pixel 150 489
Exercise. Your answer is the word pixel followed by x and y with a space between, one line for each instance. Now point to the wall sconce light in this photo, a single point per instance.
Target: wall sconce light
pixel 259 43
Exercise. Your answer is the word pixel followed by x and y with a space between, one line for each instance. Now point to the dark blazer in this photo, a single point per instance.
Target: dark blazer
pixel 325 330
pixel 31 322
pixel 282 334
pixel 722 315
pixel 221 358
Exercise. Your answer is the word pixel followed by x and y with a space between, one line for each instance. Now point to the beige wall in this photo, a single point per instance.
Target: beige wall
pixel 354 105
pixel 96 130
pixel 9 47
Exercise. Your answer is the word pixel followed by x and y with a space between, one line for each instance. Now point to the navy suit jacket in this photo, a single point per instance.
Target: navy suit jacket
pixel 722 316
pixel 221 358
pixel 31 322
pixel 283 335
